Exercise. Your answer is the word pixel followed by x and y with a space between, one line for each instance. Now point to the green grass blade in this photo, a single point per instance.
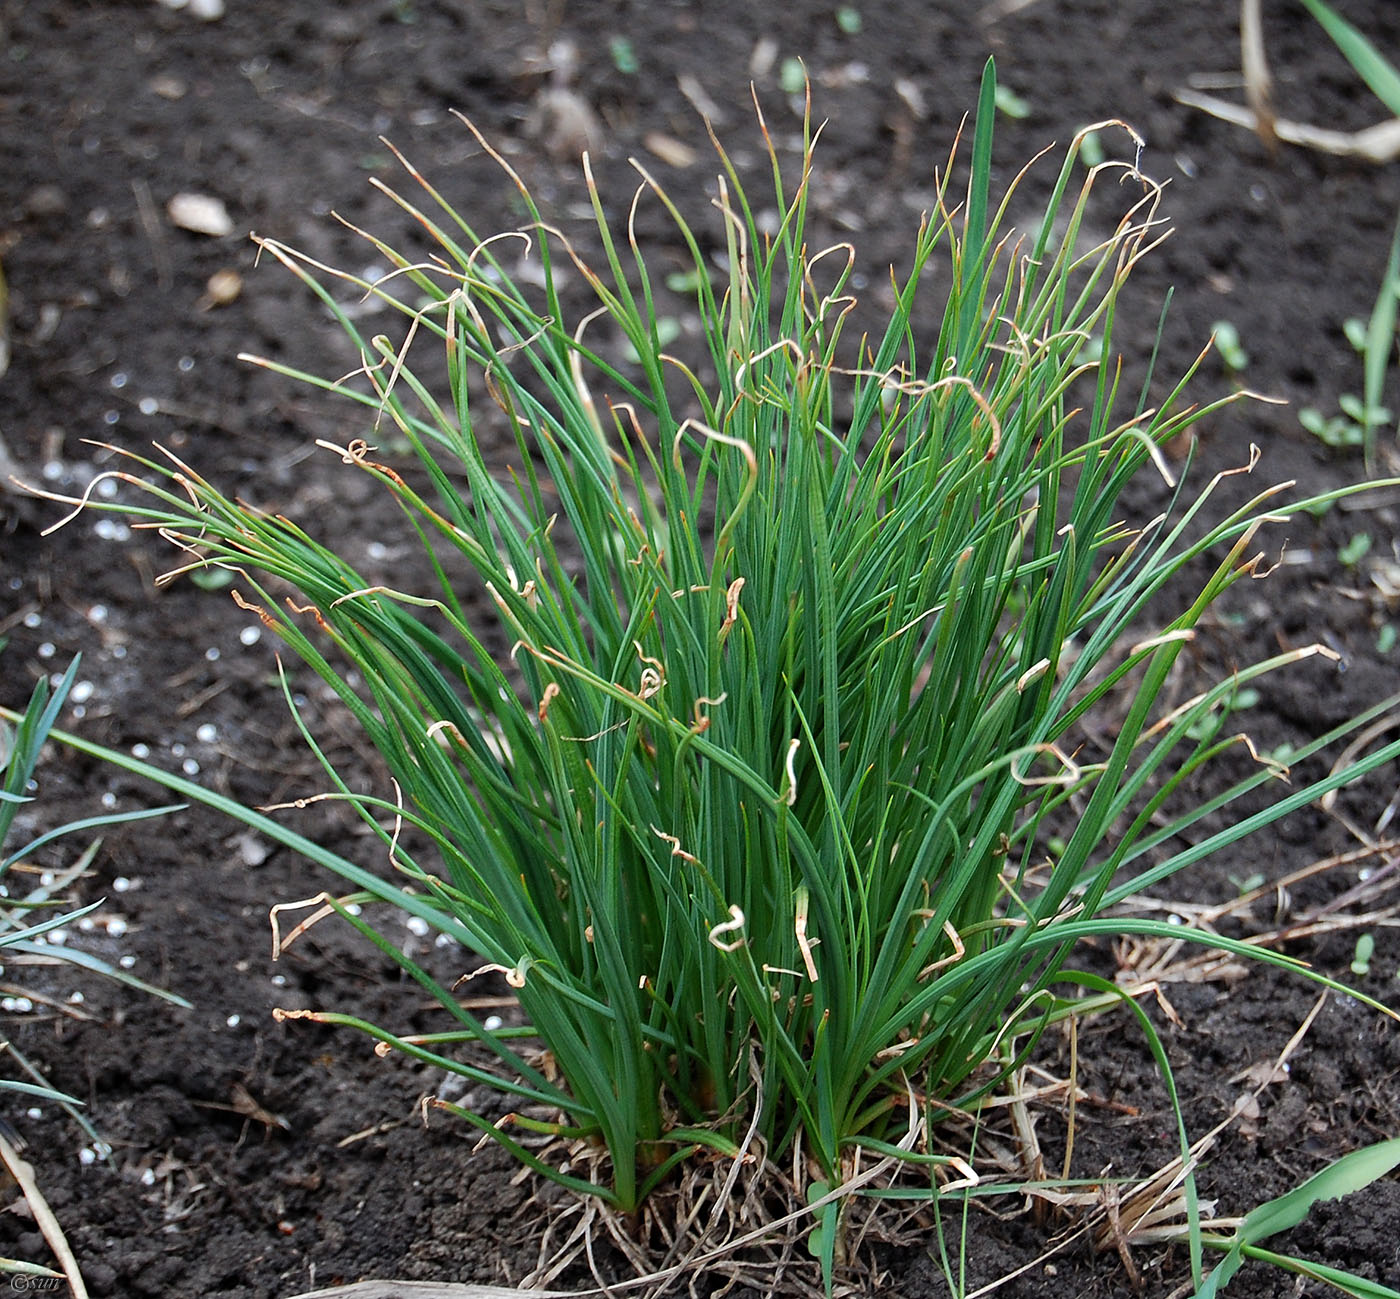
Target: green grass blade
pixel 1373 68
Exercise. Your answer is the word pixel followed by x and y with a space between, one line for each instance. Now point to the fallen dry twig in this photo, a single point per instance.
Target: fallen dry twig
pixel 23 1173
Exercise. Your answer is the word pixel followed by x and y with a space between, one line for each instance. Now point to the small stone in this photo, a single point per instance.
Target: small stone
pixel 168 86
pixel 46 201
pixel 200 213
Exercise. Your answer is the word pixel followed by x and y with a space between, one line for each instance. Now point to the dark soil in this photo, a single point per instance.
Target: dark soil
pixel 110 108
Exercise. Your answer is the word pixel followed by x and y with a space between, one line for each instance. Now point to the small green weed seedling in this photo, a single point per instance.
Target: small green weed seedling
pixel 806 633
pixel 1355 550
pixel 1227 342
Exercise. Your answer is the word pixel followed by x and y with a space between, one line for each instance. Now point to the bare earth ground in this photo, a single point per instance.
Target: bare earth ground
pixel 110 108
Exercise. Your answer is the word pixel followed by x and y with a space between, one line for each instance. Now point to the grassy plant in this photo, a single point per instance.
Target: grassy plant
pixel 31 900
pixel 804 632
pixel 1345 1176
pixel 33 912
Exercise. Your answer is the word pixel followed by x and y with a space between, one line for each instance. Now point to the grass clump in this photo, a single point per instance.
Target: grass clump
pixel 754 820
pixel 36 913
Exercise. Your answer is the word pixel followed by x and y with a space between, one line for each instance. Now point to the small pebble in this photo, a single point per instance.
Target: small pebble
pixel 46 201
pixel 201 214
pixel 167 87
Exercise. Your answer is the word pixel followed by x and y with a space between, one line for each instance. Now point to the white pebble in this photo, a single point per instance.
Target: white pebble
pixel 250 635
pixel 81 692
pixel 148 405
pixel 491 1023
pixel 201 214
pixel 46 650
pixel 127 962
pixel 33 619
pixel 109 800
pixel 141 751
pixel 233 1021
pixel 98 613
pixel 121 884
pixel 417 925
pixel 116 926
pixel 190 767
pixel 207 733
pixel 87 1157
